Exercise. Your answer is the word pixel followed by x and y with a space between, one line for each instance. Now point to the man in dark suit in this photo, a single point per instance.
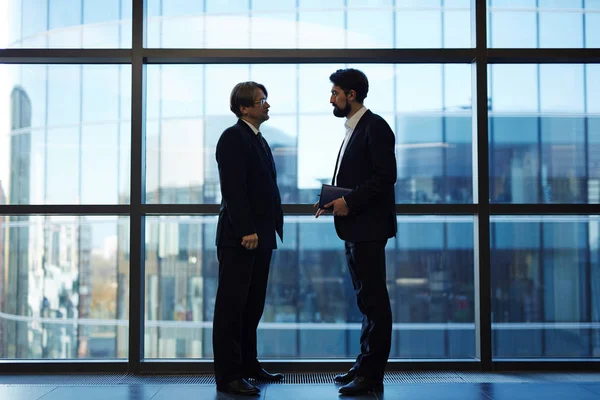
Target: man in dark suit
pixel 250 216
pixel 365 219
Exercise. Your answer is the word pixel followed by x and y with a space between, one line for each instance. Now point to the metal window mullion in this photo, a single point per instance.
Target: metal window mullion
pixel 482 220
pixel 588 263
pixel 137 182
pixel 297 333
pixel 311 56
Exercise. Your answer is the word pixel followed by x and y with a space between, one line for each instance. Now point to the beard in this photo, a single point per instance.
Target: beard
pixel 342 112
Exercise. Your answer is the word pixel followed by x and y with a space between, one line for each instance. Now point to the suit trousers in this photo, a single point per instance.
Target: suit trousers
pixel 243 276
pixel 366 262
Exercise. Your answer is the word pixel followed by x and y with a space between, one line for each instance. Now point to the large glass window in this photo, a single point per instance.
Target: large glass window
pixel 427 106
pixel 311 310
pixel 68 24
pixel 66 134
pixel 545 292
pixel 543 23
pixel 543 128
pixel 65 147
pixel 309 24
pixel 64 287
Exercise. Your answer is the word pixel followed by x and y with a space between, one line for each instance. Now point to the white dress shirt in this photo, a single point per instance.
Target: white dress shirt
pixel 350 125
pixel 251 126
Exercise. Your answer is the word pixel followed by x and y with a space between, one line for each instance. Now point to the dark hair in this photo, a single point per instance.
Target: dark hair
pixel 351 79
pixel 243 95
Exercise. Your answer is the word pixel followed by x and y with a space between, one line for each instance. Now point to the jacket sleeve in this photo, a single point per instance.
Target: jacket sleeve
pixel 381 144
pixel 232 157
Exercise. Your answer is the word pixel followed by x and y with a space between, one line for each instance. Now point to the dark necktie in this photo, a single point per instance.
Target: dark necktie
pixel 265 147
pixel 263 143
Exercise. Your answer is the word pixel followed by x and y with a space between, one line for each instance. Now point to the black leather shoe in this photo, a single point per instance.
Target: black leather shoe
pixel 239 386
pixel 345 378
pixel 361 385
pixel 265 376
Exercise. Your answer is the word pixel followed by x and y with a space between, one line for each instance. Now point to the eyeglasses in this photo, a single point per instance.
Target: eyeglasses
pixel 336 93
pixel 261 101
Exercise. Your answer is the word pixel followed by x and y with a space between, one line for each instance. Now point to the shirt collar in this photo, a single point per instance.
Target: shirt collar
pixel 251 126
pixel 353 121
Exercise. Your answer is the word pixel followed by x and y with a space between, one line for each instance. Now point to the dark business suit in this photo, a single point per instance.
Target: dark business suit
pixel 251 204
pixel 369 167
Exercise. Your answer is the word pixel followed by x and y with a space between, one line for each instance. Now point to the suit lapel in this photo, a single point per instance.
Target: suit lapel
pixel 337 160
pixel 267 158
pixel 362 122
pixel 357 131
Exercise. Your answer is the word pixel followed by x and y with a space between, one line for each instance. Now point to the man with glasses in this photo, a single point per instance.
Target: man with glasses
pixel 365 219
pixel 249 218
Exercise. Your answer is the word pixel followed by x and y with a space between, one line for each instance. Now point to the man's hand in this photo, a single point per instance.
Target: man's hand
pixel 340 209
pixel 250 242
pixel 320 211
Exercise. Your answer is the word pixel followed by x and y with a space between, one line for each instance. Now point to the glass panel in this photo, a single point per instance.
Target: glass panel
pixel 543 23
pixel 434 134
pixel 10 11
pixel 65 134
pixel 545 292
pixel 543 134
pixel 309 24
pixel 592 24
pixel 67 24
pixel 64 291
pixel 427 106
pixel 310 309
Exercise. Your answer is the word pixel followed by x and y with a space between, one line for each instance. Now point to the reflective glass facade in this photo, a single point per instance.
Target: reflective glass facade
pixel 66 141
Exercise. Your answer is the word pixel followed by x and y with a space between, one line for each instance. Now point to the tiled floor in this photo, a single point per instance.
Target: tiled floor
pixel 467 386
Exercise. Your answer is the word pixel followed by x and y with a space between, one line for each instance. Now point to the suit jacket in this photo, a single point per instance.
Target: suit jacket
pixel 250 197
pixel 369 167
